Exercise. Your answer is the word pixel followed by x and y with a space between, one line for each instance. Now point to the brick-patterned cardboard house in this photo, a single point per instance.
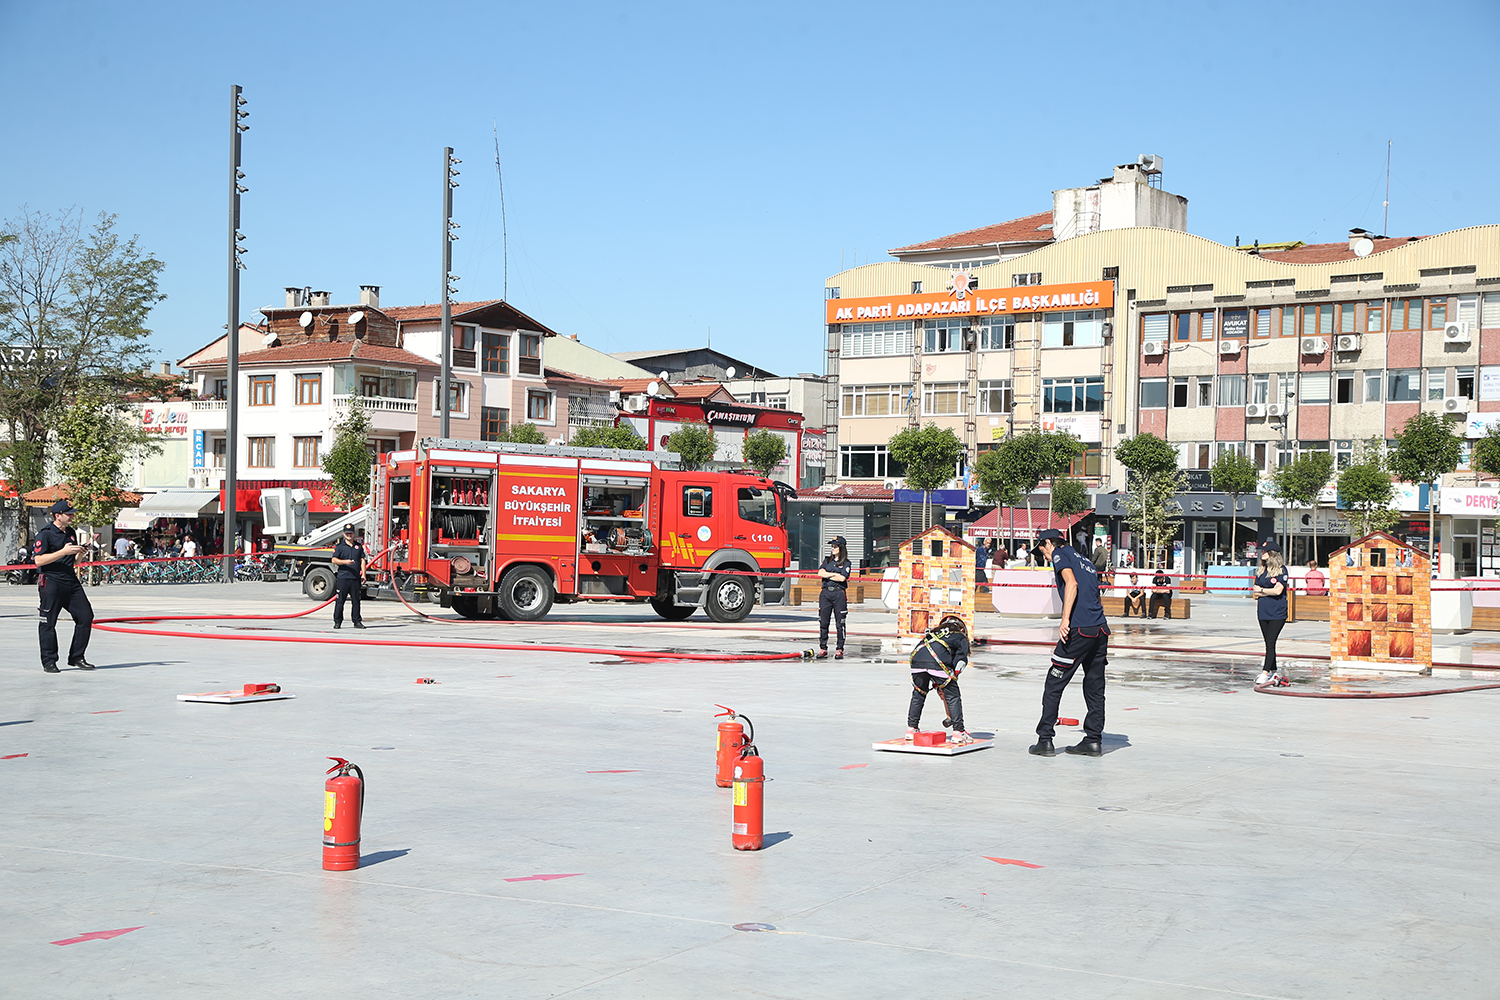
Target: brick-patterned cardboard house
pixel 937 579
pixel 1380 607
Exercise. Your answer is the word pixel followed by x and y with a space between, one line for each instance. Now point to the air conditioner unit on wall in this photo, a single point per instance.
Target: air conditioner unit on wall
pixel 1455 404
pixel 1456 333
pixel 1276 409
pixel 1314 345
pixel 1229 347
pixel 1348 342
pixel 891 484
pixel 1154 348
pixel 1255 409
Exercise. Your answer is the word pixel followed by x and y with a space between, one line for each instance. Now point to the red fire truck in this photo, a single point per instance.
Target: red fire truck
pixel 504 530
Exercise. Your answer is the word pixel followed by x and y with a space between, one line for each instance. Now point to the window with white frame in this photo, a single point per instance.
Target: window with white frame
pixel 1313 388
pixel 996 333
pixel 1205 390
pixel 1260 388
pixel 1464 379
pixel 1437 383
pixel 1231 390
pixel 539 404
pixel 1405 385
pixel 873 400
pixel 1084 394
pixel 994 396
pixel 1468 309
pixel 1083 328
pixel 458 396
pixel 1343 388
pixel 942 399
pixel 868 461
pixel 1373 382
pixel 863 340
pixel 1180 396
pixel 1374 317
pixel 1222 448
pixel 941 336
pixel 1343 454
pixel 1489 311
pixel 1262 322
pixel 776 402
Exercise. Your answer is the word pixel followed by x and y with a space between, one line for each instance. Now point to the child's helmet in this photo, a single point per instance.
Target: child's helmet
pixel 952 625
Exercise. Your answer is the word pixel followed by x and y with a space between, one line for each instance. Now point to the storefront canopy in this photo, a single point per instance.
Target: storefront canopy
pixel 998 523
pixel 169 503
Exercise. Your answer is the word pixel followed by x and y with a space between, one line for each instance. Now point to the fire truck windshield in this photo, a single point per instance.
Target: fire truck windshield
pixel 758 506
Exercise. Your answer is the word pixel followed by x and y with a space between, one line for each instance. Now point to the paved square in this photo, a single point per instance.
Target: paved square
pixel 546 824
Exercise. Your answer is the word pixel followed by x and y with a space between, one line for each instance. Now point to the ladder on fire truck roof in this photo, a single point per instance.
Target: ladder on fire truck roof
pixel 663 459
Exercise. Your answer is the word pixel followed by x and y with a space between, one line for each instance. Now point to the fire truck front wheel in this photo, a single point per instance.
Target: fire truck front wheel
pixel 526 594
pixel 730 598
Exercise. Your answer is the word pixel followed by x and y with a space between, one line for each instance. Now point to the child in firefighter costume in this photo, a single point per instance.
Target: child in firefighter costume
pixel 941 654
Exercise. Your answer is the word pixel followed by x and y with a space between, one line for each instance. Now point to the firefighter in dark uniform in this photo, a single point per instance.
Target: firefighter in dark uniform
pixel 833 602
pixel 939 658
pixel 1082 641
pixel 55 549
pixel 349 557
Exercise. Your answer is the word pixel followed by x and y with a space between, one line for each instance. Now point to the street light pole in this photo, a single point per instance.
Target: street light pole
pixel 232 328
pixel 446 378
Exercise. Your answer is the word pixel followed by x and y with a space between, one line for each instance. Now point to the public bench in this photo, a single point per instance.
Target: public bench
pixel 1114 607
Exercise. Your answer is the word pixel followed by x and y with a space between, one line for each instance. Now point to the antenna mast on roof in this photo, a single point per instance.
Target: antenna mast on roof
pixel 504 235
pixel 1385 224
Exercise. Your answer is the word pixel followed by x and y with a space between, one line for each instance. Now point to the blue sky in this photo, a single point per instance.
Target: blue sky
pixel 672 169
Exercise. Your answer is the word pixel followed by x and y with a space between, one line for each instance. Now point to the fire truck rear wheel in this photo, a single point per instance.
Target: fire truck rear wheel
pixel 730 598
pixel 467 607
pixel 669 610
pixel 318 583
pixel 526 594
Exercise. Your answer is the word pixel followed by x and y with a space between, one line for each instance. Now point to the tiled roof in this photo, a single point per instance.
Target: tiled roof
pixel 411 314
pixel 997 523
pixel 1329 253
pixel 1023 230
pixel 336 350
pixel 631 386
pixel 699 390
pixel 566 376
pixel 46 496
pixel 851 492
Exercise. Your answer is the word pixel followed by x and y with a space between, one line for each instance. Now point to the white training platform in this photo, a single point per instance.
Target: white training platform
pixel 234 697
pixel 941 750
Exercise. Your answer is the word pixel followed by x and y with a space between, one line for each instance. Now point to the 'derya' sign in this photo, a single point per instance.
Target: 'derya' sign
pixel 960 300
pixel 1469 503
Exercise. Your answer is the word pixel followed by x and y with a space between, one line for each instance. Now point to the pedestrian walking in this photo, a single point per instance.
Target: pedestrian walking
pixel 1270 608
pixel 833 602
pixel 122 547
pixel 981 557
pixel 939 658
pixel 349 557
pixel 1100 557
pixel 1082 641
pixel 56 548
pixel 189 547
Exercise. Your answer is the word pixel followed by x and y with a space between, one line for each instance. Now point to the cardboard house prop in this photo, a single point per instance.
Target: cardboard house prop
pixel 1380 607
pixel 937 579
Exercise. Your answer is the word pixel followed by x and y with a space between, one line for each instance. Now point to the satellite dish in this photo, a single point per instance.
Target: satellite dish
pixel 305 320
pixel 1364 246
pixel 652 389
pixel 662 376
pixel 269 339
pixel 729 372
pixel 356 318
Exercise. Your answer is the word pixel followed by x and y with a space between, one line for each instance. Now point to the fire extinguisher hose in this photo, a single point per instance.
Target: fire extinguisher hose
pixel 1370 695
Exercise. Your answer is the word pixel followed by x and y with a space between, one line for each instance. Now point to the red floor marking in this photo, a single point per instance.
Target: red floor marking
pixel 542 878
pixel 12 756
pixel 502 677
pixel 98 935
pixel 1132 710
pixel 850 767
pixel 108 711
pixel 1012 861
pixel 631 771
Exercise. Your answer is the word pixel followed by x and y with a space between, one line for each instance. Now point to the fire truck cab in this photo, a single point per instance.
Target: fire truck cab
pixel 505 530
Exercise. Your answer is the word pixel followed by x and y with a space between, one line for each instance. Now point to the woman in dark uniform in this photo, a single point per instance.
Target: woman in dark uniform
pixel 1270 590
pixel 834 601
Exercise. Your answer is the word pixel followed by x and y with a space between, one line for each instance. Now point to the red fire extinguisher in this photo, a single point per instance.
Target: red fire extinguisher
pixel 748 833
pixel 343 807
pixel 731 739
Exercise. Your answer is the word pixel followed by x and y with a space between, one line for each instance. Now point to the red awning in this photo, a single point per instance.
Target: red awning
pixel 997 523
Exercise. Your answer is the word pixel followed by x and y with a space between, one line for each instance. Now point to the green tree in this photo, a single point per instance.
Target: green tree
pixel 1426 449
pixel 1486 454
pixel 764 451
pixel 623 437
pixel 695 445
pixel 94 441
pixel 348 461
pixel 527 433
pixel 1056 453
pixel 1069 496
pixel 995 486
pixel 930 455
pixel 1152 485
pixel 81 300
pixel 1019 466
pixel 1297 484
pixel 1366 491
pixel 1234 475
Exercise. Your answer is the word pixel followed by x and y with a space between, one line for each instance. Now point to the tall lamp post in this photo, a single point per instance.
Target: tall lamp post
pixel 1286 524
pixel 237 126
pixel 449 236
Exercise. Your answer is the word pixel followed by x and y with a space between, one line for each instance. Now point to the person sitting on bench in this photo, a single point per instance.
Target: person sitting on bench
pixel 1161 593
pixel 1135 599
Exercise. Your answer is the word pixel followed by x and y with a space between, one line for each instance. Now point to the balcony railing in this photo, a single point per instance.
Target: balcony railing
pixel 210 404
pixel 388 404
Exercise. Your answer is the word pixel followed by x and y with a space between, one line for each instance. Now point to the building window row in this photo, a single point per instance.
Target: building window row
pixel 1325 319
pixel 1396 385
pixel 494 421
pixel 868 461
pixel 864 340
pixel 874 400
pixel 1084 394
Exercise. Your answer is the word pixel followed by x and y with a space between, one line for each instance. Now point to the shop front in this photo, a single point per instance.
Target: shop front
pixel 1216 530
pixel 1468 520
pixel 731 424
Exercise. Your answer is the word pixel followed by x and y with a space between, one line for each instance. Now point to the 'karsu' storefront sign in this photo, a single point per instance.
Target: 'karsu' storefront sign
pixel 964 301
